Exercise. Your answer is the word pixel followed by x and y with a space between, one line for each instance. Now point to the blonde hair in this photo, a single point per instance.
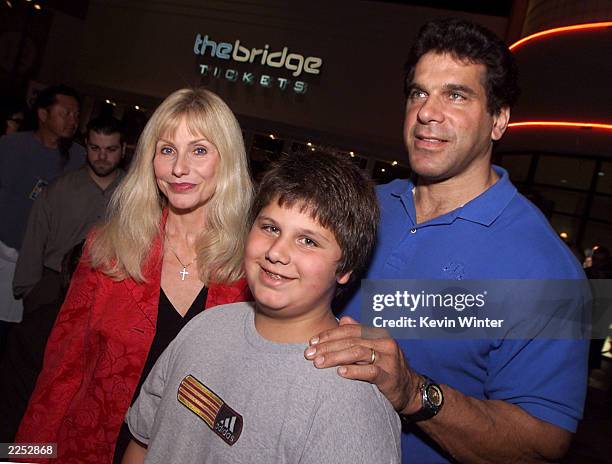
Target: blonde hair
pixel 122 244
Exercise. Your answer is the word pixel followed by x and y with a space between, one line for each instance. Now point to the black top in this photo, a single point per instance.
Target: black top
pixel 169 324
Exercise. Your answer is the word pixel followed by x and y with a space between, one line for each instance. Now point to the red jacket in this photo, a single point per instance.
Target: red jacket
pixel 94 358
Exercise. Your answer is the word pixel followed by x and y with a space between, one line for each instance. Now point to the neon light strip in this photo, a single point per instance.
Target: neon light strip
pixel 559 30
pixel 582 125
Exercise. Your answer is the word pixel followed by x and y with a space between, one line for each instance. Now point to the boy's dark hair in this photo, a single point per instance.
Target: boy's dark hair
pixel 47 97
pixel 106 125
pixel 336 193
pixel 473 43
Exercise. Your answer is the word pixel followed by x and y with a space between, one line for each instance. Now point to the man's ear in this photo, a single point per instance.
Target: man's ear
pixel 42 114
pixel 500 123
pixel 123 148
pixel 343 278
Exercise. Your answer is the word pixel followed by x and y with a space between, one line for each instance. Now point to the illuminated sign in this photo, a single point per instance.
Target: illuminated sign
pixel 295 63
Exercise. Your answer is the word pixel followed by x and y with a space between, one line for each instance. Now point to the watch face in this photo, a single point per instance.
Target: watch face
pixel 434 395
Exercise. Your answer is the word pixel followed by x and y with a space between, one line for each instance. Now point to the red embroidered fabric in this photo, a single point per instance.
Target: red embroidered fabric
pixel 94 359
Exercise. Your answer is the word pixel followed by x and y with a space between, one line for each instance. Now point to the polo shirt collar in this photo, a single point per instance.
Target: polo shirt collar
pixel 403 191
pixel 484 209
pixel 487 207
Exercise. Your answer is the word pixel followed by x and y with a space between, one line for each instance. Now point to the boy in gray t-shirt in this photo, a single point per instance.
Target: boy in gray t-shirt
pixel 234 387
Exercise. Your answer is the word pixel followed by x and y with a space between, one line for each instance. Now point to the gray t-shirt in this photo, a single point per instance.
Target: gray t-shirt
pixel 26 168
pixel 221 393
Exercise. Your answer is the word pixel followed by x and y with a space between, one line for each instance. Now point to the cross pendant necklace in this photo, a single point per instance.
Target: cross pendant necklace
pixel 184 273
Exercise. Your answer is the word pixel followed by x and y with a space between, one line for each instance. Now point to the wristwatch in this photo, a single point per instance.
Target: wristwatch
pixel 432 400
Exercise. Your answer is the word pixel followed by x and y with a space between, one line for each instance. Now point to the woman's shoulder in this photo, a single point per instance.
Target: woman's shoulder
pixel 234 292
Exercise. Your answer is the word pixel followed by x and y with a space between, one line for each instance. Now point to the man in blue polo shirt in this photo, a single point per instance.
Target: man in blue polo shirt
pixel 489 400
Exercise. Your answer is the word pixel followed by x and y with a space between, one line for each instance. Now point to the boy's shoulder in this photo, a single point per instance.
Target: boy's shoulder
pixel 357 408
pixel 338 389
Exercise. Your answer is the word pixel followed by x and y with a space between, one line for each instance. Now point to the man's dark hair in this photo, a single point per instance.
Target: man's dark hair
pixel 335 192
pixel 48 96
pixel 106 125
pixel 475 44
pixel 45 99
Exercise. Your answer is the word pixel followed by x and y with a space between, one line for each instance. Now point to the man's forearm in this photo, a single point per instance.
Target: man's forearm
pixel 29 267
pixel 489 431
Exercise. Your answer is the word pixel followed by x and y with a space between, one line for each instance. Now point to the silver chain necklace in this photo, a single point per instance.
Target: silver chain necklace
pixel 184 273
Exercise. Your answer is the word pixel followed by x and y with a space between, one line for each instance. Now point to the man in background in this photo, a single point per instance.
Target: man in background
pixel 65 212
pixel 29 161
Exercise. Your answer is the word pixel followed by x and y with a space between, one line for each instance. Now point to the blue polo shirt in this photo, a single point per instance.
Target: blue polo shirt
pixel 497 235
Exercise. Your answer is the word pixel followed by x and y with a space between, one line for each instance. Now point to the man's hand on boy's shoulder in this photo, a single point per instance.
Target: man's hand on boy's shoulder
pixel 370 355
pixel 475 431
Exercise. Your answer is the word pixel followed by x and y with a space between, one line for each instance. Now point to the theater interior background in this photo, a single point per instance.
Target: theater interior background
pixel 327 75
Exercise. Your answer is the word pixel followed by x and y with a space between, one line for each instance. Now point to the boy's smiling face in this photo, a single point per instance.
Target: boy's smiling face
pixel 291 262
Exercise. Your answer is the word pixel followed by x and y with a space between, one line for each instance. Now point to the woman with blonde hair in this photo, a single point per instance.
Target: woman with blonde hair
pixel 171 246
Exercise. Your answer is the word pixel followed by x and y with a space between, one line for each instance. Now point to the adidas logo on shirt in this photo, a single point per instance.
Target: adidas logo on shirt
pixel 227 423
pixel 209 407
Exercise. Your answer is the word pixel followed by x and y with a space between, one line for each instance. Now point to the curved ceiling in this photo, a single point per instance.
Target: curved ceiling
pixel 564 77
